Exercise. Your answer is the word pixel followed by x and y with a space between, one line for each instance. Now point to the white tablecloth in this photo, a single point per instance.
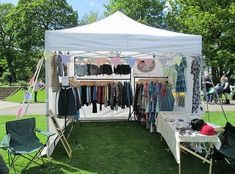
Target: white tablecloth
pixel 166 126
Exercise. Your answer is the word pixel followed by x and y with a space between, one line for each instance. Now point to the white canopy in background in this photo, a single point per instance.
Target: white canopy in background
pixel 118 32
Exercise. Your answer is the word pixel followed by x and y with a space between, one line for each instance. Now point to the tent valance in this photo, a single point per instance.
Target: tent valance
pixel 118 32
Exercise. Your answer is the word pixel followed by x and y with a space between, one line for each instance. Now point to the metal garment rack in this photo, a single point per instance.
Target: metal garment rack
pixel 144 77
pixel 147 77
pixel 114 79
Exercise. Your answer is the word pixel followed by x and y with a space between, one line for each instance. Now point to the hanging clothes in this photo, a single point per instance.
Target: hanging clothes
pixel 66 103
pixel 122 69
pixel 180 81
pixel 80 69
pixel 55 84
pixel 94 99
pixel 105 69
pixel 150 98
pixel 83 93
pixel 93 69
pixel 167 100
pixel 195 70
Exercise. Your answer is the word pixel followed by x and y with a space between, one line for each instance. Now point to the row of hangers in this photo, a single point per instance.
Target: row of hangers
pixel 76 83
pixel 154 80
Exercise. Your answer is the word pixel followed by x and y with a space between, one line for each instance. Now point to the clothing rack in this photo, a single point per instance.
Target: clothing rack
pixel 143 80
pixel 93 80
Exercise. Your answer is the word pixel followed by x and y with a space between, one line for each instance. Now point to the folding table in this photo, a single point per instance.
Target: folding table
pixel 167 122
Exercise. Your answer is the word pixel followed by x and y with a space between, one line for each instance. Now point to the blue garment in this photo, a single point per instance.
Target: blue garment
pixel 94 95
pixel 80 70
pixel 77 115
pixel 157 93
pixel 180 81
pixel 167 102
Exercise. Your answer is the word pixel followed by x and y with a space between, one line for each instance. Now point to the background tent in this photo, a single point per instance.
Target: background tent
pixel 119 34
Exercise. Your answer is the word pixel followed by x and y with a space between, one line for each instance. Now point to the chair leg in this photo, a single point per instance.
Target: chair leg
pixel 11 161
pixel 32 159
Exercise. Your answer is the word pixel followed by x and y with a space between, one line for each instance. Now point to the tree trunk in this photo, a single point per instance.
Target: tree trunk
pixel 9 59
pixel 214 75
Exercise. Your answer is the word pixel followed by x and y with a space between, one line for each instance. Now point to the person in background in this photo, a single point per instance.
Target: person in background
pixel 226 88
pixel 3 168
pixel 209 85
pixel 38 86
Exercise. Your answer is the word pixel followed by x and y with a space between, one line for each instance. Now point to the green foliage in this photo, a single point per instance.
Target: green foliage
pixel 148 12
pixel 6 39
pixel 46 15
pixel 4 77
pixel 89 18
pixel 22 32
pixel 215 21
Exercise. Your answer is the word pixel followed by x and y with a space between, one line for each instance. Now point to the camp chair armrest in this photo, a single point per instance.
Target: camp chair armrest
pixel 45 133
pixel 5 143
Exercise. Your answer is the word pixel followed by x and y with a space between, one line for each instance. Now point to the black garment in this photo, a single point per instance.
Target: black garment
pixel 93 101
pixel 3 167
pixel 105 69
pixel 226 90
pixel 93 70
pixel 78 106
pixel 88 69
pixel 127 98
pixel 122 69
pixel 208 84
pixel 120 94
pixel 66 103
pixel 84 95
pixel 137 90
pixel 112 96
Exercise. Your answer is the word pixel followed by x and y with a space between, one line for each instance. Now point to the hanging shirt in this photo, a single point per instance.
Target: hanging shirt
pixel 180 81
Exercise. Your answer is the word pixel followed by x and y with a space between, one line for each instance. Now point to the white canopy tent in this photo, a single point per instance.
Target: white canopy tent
pixel 118 34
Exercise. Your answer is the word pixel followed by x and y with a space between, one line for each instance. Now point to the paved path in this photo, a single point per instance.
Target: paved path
pixel 9 108
pixel 217 107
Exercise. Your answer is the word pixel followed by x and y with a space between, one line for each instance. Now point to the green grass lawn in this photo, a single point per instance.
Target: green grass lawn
pixel 115 148
pixel 19 96
pixel 219 119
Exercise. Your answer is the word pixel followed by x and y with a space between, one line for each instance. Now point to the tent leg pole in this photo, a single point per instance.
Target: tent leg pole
pixel 179 162
pixel 210 169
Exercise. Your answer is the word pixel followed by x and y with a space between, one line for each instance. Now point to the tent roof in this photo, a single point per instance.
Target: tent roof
pixel 118 32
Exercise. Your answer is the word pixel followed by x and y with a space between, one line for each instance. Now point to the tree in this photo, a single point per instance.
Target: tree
pixel 6 40
pixel 148 12
pixel 215 21
pixel 89 18
pixel 28 22
pixel 34 17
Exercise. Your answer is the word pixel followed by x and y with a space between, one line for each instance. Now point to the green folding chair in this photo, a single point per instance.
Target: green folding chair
pixel 21 141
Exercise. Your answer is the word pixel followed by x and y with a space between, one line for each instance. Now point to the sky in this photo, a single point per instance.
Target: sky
pixel 81 6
